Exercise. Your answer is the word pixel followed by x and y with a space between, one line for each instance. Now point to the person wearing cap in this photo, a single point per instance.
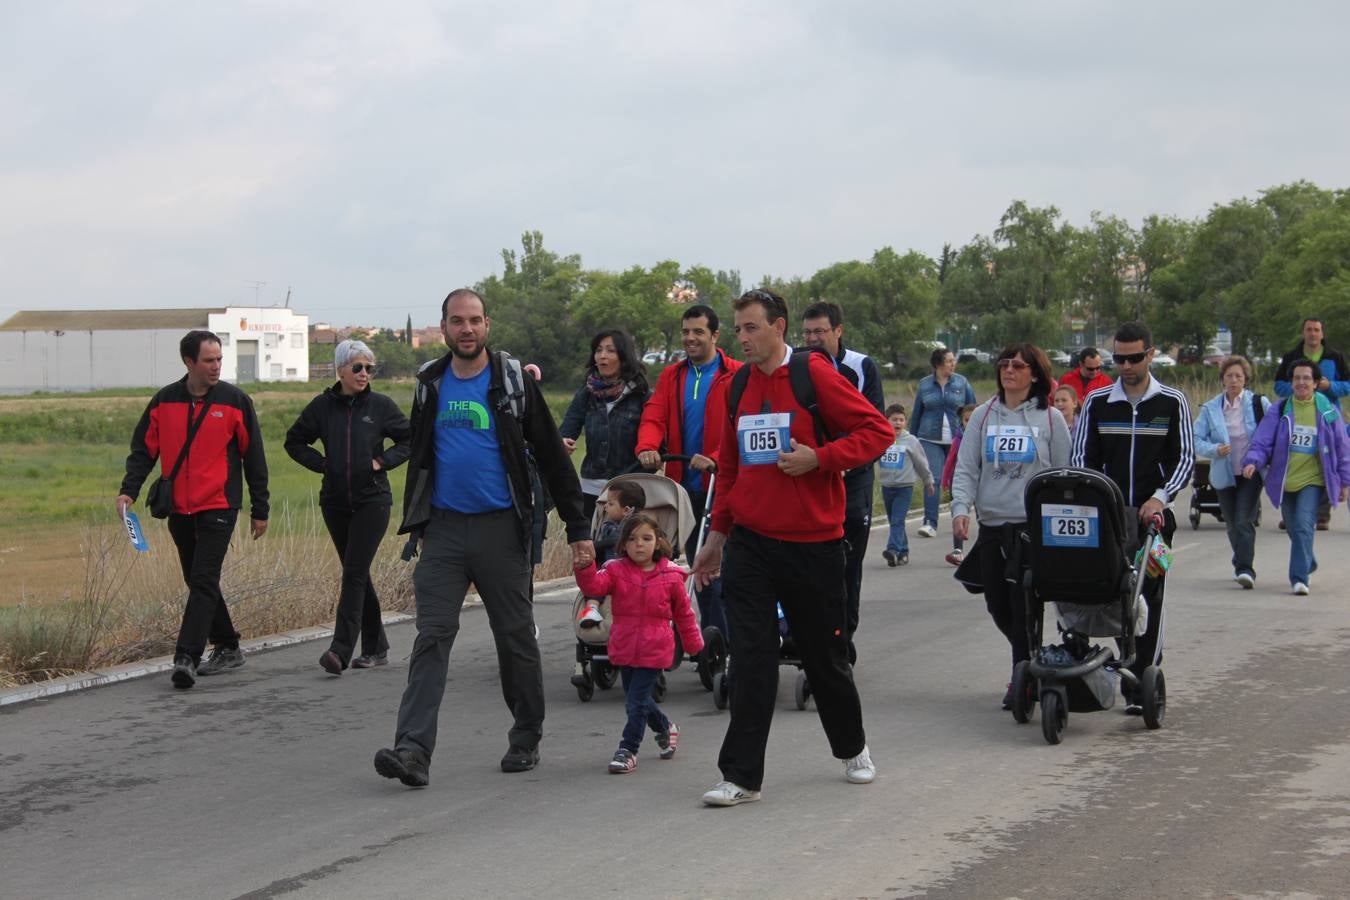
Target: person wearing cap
pixel 364 434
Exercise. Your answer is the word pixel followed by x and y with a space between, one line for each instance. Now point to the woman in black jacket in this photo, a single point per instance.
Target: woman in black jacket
pixel 352 422
pixel 608 408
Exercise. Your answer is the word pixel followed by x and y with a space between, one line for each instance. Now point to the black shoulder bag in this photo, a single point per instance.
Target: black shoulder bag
pixel 160 496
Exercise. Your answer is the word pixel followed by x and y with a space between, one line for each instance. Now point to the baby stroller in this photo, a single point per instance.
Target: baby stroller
pixel 788 655
pixel 667 501
pixel 1079 532
pixel 1204 498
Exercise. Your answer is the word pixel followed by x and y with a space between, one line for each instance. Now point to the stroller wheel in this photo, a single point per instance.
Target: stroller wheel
pixel 585 691
pixel 1155 697
pixel 1053 716
pixel 1195 512
pixel 659 689
pixel 719 690
pixel 604 675
pixel 713 657
pixel 802 692
pixel 1023 692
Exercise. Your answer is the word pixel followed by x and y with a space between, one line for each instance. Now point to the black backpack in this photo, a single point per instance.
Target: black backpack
pixel 803 388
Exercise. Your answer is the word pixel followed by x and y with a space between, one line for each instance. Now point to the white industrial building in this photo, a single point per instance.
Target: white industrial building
pixel 79 350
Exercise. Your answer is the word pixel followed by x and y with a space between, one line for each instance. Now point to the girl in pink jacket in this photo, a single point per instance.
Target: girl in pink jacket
pixel 646 592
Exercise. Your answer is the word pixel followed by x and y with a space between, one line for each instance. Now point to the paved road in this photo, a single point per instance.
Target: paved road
pixel 259 784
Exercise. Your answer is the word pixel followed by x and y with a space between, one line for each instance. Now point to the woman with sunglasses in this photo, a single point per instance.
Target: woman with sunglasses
pixel 1309 457
pixel 353 423
pixel 1011 437
pixel 936 421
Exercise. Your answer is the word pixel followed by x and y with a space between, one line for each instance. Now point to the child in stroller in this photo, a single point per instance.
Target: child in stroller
pixel 647 593
pixel 1079 534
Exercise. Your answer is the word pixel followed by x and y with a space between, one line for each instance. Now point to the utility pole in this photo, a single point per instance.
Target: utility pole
pixel 257 286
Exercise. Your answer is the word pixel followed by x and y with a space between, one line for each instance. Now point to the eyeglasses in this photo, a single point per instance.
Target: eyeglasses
pixel 814 332
pixel 358 368
pixel 1015 364
pixel 1133 359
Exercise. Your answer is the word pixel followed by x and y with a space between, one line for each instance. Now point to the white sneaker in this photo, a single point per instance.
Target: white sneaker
pixel 590 616
pixel 926 530
pixel 1246 580
pixel 860 769
pixel 724 793
pixel 1300 588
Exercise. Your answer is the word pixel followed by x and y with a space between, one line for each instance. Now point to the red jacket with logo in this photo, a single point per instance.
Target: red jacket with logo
pixel 227 441
pixel 809 507
pixel 663 416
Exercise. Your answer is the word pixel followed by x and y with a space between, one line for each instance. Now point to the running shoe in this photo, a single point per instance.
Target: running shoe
pixel 590 616
pixel 860 769
pixel 955 557
pixel 624 761
pixel 221 658
pixel 668 741
pixel 926 530
pixel 725 793
pixel 1301 589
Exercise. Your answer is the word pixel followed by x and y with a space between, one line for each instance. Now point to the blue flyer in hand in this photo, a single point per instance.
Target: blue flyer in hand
pixel 133 524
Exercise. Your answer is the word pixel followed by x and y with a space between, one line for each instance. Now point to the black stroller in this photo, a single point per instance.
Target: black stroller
pixel 1204 498
pixel 1079 535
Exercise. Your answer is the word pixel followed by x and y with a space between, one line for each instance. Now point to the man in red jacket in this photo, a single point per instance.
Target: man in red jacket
pixel 684 416
pixel 1087 376
pixel 779 513
pixel 207 493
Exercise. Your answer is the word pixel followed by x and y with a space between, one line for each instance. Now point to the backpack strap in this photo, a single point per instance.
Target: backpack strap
pixel 513 379
pixel 1258 407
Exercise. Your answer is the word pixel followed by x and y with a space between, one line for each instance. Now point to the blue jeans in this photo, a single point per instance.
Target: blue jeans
pixel 897 500
pixel 1299 509
pixel 1240 505
pixel 642 709
pixel 937 458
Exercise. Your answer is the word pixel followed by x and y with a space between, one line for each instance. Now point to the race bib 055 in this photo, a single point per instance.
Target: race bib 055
pixel 762 438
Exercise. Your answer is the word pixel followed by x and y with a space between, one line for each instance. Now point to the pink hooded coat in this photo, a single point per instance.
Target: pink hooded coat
pixel 643 604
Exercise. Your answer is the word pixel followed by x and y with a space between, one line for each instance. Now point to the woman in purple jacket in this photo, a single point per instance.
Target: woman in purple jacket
pixel 1309 457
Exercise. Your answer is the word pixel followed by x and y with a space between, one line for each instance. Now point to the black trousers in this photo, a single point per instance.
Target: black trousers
pixel 202 540
pixel 857 529
pixel 1003 594
pixel 356 534
pixel 759 572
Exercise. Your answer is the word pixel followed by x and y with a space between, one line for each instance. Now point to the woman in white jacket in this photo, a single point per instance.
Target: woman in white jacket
pixel 1011 437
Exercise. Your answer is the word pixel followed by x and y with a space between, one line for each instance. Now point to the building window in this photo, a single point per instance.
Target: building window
pixel 297 340
pixel 271 339
pixel 224 339
pixel 291 373
pixel 276 370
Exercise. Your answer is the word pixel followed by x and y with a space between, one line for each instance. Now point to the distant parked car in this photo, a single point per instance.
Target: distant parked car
pixel 1162 359
pixel 970 354
pixel 1059 357
pixel 653 358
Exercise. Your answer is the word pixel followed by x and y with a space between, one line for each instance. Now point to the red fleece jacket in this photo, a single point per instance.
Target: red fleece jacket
pixel 809 507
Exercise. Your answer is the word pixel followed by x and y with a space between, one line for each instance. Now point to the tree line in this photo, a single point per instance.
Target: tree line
pixel 1256 266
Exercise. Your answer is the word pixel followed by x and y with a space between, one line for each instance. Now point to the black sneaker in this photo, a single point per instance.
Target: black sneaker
pixel 902 559
pixel 221 658
pixel 184 672
pixel 371 660
pixel 891 557
pixel 520 759
pixel 408 766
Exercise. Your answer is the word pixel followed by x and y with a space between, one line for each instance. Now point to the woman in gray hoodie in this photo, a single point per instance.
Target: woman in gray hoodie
pixel 1011 437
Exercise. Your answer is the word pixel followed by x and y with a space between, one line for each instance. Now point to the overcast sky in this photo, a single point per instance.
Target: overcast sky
pixel 374 156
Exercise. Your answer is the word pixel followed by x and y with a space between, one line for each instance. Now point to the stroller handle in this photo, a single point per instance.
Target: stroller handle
pixel 1155 524
pixel 666 457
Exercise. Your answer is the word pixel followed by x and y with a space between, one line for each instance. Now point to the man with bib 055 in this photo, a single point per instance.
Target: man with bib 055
pixel 778 513
pixel 1138 432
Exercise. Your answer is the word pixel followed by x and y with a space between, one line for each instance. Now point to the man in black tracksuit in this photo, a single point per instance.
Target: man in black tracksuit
pixel 1138 432
pixel 823 326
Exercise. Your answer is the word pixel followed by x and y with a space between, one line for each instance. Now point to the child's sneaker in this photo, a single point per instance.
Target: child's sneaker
pixel 590 616
pixel 669 741
pixel 624 761
pixel 955 557
pixel 902 559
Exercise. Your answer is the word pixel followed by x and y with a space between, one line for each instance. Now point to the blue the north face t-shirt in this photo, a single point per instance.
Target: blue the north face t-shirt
pixel 470 474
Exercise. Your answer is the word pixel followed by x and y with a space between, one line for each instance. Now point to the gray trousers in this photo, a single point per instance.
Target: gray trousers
pixel 484 549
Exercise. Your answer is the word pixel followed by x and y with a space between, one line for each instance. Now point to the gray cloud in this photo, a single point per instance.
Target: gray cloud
pixel 162 154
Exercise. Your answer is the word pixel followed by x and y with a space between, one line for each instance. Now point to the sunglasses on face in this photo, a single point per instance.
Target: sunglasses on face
pixel 1133 359
pixel 1015 364
pixel 358 368
pixel 1092 369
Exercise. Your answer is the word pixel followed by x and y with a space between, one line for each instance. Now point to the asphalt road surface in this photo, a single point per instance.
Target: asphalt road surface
pixel 259 783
